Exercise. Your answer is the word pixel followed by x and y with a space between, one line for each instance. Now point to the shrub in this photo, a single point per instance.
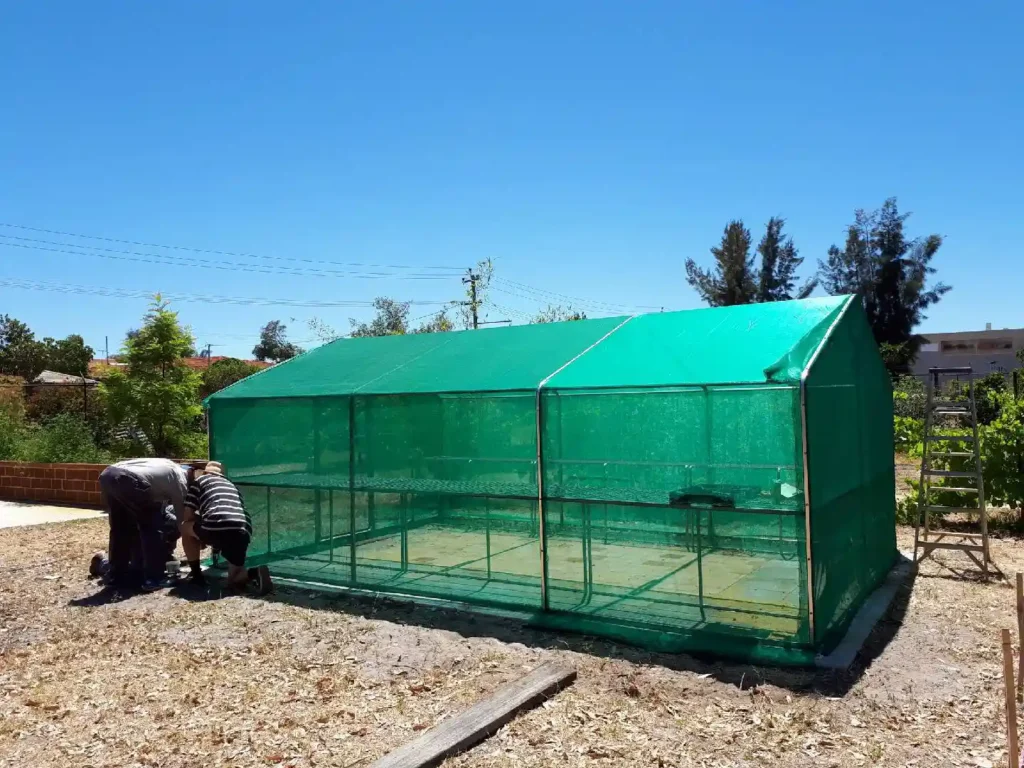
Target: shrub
pixel 907 434
pixel 1002 445
pixel 12 436
pixel 62 438
pixel 12 397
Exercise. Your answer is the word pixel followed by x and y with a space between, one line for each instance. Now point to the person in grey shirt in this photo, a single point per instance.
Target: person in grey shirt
pixel 136 494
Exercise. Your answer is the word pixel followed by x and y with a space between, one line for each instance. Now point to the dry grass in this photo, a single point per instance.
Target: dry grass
pixel 159 680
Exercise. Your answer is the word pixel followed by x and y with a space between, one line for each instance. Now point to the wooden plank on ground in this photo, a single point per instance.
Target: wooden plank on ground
pixel 481 720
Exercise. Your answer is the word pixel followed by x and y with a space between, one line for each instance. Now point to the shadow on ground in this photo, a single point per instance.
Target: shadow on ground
pixel 470 622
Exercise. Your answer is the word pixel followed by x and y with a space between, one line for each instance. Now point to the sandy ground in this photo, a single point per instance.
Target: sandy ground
pixel 303 679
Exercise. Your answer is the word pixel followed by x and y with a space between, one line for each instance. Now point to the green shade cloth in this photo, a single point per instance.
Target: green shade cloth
pixel 442 465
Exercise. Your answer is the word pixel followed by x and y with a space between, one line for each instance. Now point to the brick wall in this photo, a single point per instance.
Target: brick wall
pixel 55 483
pixel 60 483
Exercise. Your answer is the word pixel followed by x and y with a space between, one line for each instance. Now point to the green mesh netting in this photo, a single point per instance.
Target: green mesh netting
pixel 669 508
pixel 853 516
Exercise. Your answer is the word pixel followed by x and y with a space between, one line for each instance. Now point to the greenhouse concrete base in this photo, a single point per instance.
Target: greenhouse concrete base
pixel 874 608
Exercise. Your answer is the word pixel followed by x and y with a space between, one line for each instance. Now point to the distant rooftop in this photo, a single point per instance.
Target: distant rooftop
pixel 54 378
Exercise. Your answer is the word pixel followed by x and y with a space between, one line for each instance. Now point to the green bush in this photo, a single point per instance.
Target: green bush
pixel 63 438
pixel 907 434
pixel 907 508
pixel 908 397
pixel 12 435
pixel 1002 446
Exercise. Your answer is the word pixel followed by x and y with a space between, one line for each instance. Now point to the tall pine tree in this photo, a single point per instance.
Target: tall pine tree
pixel 733 280
pixel 779 262
pixel 889 272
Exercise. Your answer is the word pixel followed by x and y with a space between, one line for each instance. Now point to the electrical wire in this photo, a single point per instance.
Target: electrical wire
pixel 223 253
pixel 243 301
pixel 565 297
pixel 230 266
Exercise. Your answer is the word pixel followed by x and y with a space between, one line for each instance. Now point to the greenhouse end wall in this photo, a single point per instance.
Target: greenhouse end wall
pixel 437 495
pixel 851 473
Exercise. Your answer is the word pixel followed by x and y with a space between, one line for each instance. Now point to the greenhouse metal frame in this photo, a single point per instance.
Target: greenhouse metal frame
pixel 715 480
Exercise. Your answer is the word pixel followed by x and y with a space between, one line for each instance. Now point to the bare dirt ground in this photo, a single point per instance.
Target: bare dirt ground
pixel 303 679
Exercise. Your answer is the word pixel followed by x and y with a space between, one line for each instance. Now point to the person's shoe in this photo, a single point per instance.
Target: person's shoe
pixel 99 565
pixel 259 577
pixel 196 579
pixel 154 585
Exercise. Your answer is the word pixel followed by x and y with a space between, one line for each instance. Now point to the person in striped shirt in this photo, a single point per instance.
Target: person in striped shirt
pixel 215 517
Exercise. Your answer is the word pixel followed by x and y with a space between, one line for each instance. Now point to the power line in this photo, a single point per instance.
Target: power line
pixel 223 253
pixel 564 297
pixel 546 301
pixel 125 293
pixel 183 261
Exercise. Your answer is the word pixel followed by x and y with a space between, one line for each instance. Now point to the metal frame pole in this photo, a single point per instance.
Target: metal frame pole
pixel 317 495
pixel 352 487
pixel 809 550
pixel 542 532
pixel 807 508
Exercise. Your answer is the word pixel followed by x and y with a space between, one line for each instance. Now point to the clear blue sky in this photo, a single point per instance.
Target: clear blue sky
pixel 588 147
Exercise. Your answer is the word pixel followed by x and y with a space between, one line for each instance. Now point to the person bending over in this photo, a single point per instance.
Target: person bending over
pixel 136 493
pixel 215 517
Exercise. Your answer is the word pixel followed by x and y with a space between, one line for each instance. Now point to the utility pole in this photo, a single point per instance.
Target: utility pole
pixel 106 348
pixel 209 352
pixel 473 304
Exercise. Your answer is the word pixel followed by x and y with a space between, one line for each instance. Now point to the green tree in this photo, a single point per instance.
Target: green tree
pixel 21 354
pixel 889 272
pixel 274 344
pixel 157 393
pixel 735 279
pixel 779 262
pixel 392 319
pixel 224 373
pixel 732 281
pixel 438 323
pixel 68 355
pixel 558 314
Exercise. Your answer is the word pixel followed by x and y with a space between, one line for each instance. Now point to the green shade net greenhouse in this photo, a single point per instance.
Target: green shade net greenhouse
pixel 710 480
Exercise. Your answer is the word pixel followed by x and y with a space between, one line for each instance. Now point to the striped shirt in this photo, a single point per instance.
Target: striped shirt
pixel 218 504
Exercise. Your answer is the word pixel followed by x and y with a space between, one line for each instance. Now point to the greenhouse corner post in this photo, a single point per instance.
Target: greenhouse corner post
pixel 807 473
pixel 807 508
pixel 352 488
pixel 542 532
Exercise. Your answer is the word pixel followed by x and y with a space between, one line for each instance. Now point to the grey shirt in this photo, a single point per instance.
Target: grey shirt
pixel 167 481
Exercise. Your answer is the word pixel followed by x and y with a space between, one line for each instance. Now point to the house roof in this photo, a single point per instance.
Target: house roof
pixel 742 344
pixel 54 378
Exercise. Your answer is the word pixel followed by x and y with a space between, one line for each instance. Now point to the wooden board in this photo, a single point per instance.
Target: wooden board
pixel 481 720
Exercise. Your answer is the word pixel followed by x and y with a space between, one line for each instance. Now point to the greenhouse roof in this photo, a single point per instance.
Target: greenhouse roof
pixel 751 343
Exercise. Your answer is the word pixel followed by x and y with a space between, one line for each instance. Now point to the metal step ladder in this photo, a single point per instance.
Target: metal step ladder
pixel 937 413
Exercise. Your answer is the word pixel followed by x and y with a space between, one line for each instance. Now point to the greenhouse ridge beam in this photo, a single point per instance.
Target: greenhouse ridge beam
pixel 542 532
pixel 807 475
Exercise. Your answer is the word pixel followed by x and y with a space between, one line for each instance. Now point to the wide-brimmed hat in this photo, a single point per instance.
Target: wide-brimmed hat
pixel 214 468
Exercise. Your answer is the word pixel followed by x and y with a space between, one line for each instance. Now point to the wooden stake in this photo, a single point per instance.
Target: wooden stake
pixel 1020 637
pixel 1011 701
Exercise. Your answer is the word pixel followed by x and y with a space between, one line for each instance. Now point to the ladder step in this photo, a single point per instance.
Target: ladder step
pixel 945 412
pixel 955 533
pixel 948 404
pixel 951 489
pixel 964 438
pixel 949 473
pixel 939 508
pixel 953 454
pixel 926 545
